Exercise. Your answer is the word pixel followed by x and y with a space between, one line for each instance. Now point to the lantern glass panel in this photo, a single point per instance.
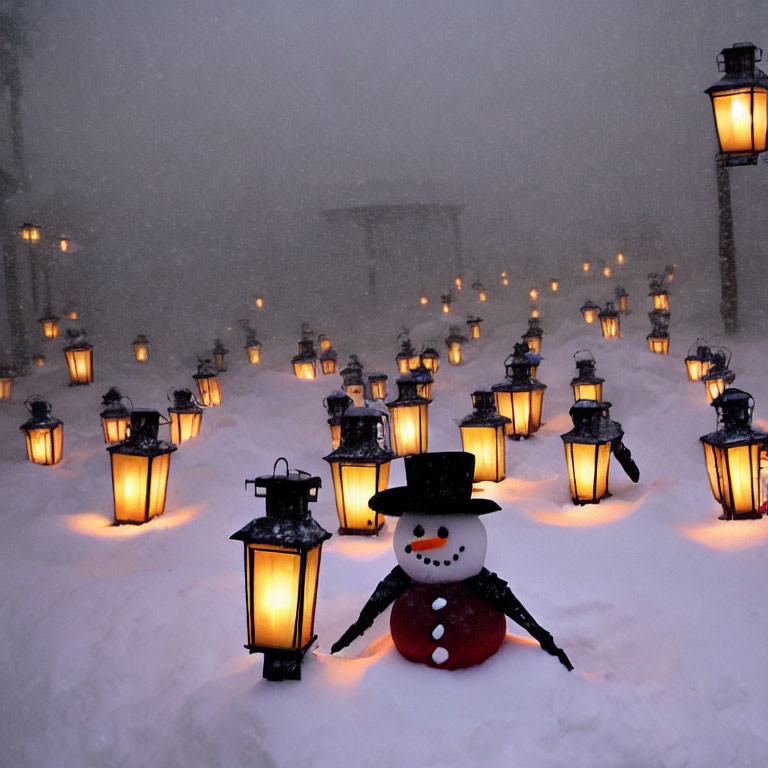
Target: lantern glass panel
pixel 431 364
pixel 50 328
pixel 624 304
pixel 454 353
pixel 714 470
pixel 44 445
pixel 379 389
pixel 335 436
pixel 304 370
pixel 590 315
pixel 115 428
pixel 353 485
pixel 139 484
pixel 715 388
pixel 141 350
pixel 409 429
pixel 740 116
pixel 329 365
pixel 6 387
pixel 588 470
pixel 414 361
pixel 487 444
pixel 402 365
pixel 659 345
pixel 185 426
pixel 534 344
pixel 80 364
pixel 210 390
pixel 588 391
pixel 741 489
pixel 474 330
pixel 661 301
pixel 254 355
pixel 610 327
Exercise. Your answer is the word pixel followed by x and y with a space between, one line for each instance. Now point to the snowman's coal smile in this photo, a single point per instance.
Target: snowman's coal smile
pixel 428 545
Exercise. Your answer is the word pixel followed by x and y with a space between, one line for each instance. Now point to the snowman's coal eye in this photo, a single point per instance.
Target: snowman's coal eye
pixel 442 532
pixel 418 531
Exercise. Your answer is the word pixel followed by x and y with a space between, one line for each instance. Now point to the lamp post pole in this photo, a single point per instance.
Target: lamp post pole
pixel 729 298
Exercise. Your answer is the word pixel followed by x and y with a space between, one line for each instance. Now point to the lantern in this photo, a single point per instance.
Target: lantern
pixel 474 327
pixel 424 380
pixel 38 360
pixel 329 361
pixel 305 362
pixel 658 338
pixel 253 348
pixel 115 417
pixel 482 434
pixel 30 233
pixel 669 272
pixel 459 283
pixel 585 265
pixel 324 342
pixel 141 348
pixel 589 312
pixel 453 341
pixel 482 294
pixel 533 294
pixel 732 456
pixel 623 298
pixel 407 358
pixel 186 416
pixel 505 281
pixel 609 321
pixel 409 418
pixel 352 380
pixel 424 300
pixel 377 386
pixel 554 284
pixel 282 565
pixel 259 302
pixel 586 385
pixel 719 376
pixel 698 360
pixel 336 404
pixel 79 354
pixel 50 327
pixel 208 384
pixel 360 468
pixel 43 433
pixel 73 314
pixel 519 397
pixel 740 104
pixel 607 272
pixel 63 244
pixel 219 352
pixel 6 385
pixel 445 302
pixel 620 258
pixel 532 337
pixel 430 358
pixel 140 467
pixel 535 312
pixel 657 292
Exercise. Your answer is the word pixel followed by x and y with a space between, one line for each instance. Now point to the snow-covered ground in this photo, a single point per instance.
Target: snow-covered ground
pixel 123 646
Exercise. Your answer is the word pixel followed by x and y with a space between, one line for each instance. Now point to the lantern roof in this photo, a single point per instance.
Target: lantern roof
pixel 302 534
pixel 49 318
pixel 588 305
pixel 535 330
pixel 377 376
pixel 586 369
pixel 184 402
pixel 473 319
pixel 620 291
pixel 430 353
pixel 145 424
pixel 39 414
pixel 306 351
pixel 721 359
pixel 608 311
pixel 422 375
pixel 329 354
pixel 518 371
pixel 484 413
pixel 454 336
pixel 734 413
pixel 114 408
pixel 205 369
pixel 219 348
pixel 360 438
pixel 407 393
pixel 739 65
pixel 140 339
pixel 77 339
pixel 592 423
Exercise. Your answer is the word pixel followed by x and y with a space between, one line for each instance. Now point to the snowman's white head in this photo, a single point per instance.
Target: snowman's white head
pixel 439 548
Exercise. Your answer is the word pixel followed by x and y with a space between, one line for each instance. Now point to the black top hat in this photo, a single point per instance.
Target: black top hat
pixel 437 484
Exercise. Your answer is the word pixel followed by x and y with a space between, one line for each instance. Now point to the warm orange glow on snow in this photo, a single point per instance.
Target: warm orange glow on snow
pixel 728 536
pixel 101 526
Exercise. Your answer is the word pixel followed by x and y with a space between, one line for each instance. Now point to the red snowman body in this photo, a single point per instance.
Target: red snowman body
pixel 445 626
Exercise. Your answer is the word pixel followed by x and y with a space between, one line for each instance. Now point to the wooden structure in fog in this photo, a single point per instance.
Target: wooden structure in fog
pixel 410 223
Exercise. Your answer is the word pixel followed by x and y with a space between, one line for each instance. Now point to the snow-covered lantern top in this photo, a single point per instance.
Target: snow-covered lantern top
pixel 115 417
pixel 482 434
pixel 740 104
pixel 719 376
pixel 586 385
pixel 609 321
pixel 589 311
pixel 44 434
pixel 282 566
pixel 698 360
pixel 732 455
pixel 352 380
pixel 141 348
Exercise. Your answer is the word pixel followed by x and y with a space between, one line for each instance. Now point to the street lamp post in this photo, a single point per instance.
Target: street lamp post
pixel 740 110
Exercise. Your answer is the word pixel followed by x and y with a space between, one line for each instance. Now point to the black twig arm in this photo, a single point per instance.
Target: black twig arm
pixel 388 590
pixel 624 457
pixel 489 587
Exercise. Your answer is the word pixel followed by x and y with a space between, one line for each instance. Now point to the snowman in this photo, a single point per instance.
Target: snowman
pixel 449 610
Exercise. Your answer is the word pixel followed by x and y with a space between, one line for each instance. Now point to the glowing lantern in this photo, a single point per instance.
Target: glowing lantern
pixel 409 418
pixel 532 337
pixel 430 358
pixel 63 244
pixel 740 104
pixel 669 272
pixel 6 385
pixel 609 321
pixel 282 565
pixel 336 404
pixel 607 272
pixel 719 376
pixel 424 380
pixel 620 258
pixel 505 281
pixel 30 233
pixel 482 434
pixel 588 448
pixel 533 294
pixel 208 384
pixel 554 284
pixel 732 456
pixel 50 327
pixel 38 360
pixel 445 302
pixel 186 416
pixel 259 302
pixel 589 312
pixel 253 348
pixel 585 265
pixel 482 294
pixel 140 467
pixel 141 348
pixel 424 300
pixel 623 298
pixel 407 358
pixel 377 386
pixel 657 292
pixel 329 361
pixel 73 314
pixel 519 397
pixel 474 327
pixel 324 342
pixel 586 385
pixel 79 355
pixel 658 338
pixel 305 362
pixel 219 352
pixel 115 417
pixel 459 283
pixel 453 341
pixel 360 468
pixel 43 433
pixel 698 360
pixel 535 312
pixel 352 380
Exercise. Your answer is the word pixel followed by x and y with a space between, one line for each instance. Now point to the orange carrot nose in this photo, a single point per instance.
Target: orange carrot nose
pixel 418 545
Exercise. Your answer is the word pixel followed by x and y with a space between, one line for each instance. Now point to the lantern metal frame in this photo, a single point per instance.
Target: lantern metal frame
pixel 187 407
pixel 554 284
pixel 306 359
pixel 377 385
pixel 115 415
pixel 698 360
pixel 518 381
pixel 219 353
pixel 40 419
pixel 658 338
pixel 719 376
pixel 610 325
pixel 586 381
pixel 407 358
pixel 208 384
pixel 329 361
pixel 79 356
pixel 430 358
pixel 486 417
pixel 50 325
pixel 408 397
pixel 589 311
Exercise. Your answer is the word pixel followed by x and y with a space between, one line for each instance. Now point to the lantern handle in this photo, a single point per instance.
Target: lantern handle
pixel 588 351
pixel 34 398
pixel 287 468
pixel 696 344
pixel 125 397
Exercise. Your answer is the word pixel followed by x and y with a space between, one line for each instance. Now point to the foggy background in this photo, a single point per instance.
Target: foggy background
pixel 189 148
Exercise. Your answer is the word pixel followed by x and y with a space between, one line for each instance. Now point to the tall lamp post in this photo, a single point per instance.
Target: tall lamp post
pixel 740 110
